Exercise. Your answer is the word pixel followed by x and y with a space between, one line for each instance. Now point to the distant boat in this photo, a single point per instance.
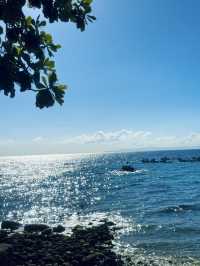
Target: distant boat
pixel 150 161
pixel 165 160
pixel 128 168
pixel 145 161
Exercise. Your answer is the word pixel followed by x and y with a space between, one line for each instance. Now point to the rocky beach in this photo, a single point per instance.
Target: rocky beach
pixel 39 244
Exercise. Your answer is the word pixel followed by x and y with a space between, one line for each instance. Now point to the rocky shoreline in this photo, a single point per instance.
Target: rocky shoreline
pixel 39 244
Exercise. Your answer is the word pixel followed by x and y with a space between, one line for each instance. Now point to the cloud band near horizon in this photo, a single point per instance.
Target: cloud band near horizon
pixel 99 141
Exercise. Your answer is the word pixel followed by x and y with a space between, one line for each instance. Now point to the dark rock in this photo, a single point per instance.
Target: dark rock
pixel 10 225
pixel 165 160
pixel 39 245
pixel 93 258
pixel 47 231
pixel 154 161
pixel 77 229
pixel 109 223
pixel 59 229
pixel 4 253
pixel 181 160
pixel 4 248
pixel 145 161
pixel 128 168
pixel 31 228
pixel 3 234
pixel 196 159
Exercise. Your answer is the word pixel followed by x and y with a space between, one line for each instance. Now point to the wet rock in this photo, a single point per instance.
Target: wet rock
pixel 10 225
pixel 4 253
pixel 3 234
pixel 4 248
pixel 165 160
pixel 35 227
pixel 76 263
pixel 47 231
pixel 145 160
pixel 109 223
pixel 59 229
pixel 128 168
pixel 40 245
pixel 90 259
pixel 154 161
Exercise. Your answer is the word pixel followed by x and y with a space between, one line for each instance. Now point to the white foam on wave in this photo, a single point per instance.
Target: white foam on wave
pixel 133 257
pixel 130 254
pixel 124 225
pixel 121 173
pixel 51 216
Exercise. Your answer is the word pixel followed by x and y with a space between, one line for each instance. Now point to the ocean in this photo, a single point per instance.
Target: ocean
pixel 157 208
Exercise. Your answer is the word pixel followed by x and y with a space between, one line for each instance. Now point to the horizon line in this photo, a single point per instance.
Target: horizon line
pixel 103 152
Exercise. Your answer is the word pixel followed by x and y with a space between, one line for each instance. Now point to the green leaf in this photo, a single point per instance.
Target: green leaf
pixel 27 51
pixel 61 88
pixel 18 50
pixel 49 63
pixel 58 46
pixel 59 100
pixel 49 52
pixel 52 78
pixel 91 18
pixel 29 21
pixel 54 47
pixel 48 38
pixel 87 2
pixel 59 92
pixel 42 23
pixel 33 22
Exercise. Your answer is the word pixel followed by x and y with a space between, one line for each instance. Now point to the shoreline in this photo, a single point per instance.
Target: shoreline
pixel 92 245
pixel 39 244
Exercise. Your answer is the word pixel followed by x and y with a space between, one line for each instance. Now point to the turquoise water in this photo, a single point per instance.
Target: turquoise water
pixel 157 207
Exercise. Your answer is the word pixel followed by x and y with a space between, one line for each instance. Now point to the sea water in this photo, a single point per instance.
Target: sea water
pixel 157 208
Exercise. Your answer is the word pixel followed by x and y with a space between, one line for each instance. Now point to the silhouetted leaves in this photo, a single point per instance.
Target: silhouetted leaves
pixel 44 98
pixel 1 30
pixel 50 91
pixel 26 50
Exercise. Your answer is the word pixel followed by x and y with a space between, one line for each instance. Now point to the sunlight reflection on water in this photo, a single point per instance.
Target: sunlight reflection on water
pixel 83 188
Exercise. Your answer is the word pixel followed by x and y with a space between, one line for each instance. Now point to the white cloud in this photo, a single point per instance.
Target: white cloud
pixel 6 141
pixel 38 139
pixel 113 137
pixel 192 139
pixel 99 141
pixel 134 139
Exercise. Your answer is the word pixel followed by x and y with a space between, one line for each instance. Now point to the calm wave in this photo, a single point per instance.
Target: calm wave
pixel 157 208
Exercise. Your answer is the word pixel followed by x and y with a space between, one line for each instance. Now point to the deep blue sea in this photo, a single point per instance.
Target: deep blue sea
pixel 157 208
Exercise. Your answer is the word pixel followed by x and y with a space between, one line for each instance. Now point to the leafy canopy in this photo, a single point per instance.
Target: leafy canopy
pixel 26 50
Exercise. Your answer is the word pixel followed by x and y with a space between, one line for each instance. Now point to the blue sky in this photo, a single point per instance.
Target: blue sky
pixel 134 79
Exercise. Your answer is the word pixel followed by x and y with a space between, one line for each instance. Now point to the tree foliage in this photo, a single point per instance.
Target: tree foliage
pixel 26 49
